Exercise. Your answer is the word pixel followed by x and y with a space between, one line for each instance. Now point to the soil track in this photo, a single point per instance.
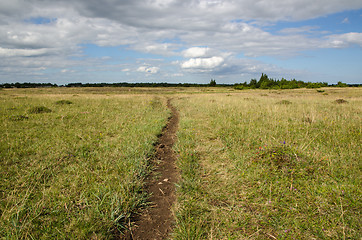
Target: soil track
pixel 156 220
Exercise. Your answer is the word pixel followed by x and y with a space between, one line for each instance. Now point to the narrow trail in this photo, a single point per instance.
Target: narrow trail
pixel 156 221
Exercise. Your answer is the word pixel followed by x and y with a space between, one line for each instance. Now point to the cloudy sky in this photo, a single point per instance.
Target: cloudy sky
pixel 64 41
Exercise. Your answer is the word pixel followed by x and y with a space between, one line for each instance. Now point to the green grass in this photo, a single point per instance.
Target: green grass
pixel 75 172
pixel 256 169
pixel 254 164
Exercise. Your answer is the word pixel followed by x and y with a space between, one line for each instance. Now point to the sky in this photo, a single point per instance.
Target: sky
pixel 180 41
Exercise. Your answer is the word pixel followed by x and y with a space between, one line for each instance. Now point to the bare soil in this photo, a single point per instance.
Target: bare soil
pixel 155 222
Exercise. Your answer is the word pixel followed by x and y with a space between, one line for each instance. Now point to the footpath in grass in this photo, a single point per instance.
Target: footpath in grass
pixel 73 165
pixel 156 221
pixel 269 165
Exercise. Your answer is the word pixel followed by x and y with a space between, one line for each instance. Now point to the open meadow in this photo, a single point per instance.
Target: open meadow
pixel 270 165
pixel 254 164
pixel 73 163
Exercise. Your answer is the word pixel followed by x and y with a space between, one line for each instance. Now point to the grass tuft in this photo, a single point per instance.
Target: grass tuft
pixel 307 120
pixel 39 109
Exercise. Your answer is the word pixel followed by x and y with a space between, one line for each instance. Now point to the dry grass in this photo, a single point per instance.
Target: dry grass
pixel 263 170
pixel 251 168
pixel 75 172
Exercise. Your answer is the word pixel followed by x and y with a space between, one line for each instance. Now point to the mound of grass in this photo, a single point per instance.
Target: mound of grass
pixel 156 103
pixel 279 156
pixel 286 159
pixel 340 101
pixel 39 109
pixel 18 118
pixel 284 102
pixel 320 90
pixel 63 102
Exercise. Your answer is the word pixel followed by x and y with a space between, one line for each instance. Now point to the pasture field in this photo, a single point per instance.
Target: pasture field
pixel 254 164
pixel 75 171
pixel 270 165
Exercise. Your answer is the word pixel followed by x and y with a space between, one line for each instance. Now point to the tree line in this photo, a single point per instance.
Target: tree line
pixel 263 83
pixel 122 84
pixel 269 83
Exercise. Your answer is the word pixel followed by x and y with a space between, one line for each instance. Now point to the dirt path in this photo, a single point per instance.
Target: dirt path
pixel 155 222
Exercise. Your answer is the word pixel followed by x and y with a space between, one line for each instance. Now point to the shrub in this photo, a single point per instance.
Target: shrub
pixel 39 109
pixel 240 87
pixel 284 102
pixel 18 118
pixel 340 101
pixel 63 102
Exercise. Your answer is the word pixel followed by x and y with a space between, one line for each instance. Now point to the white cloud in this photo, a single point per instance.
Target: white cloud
pixel 149 70
pixel 165 49
pixel 7 52
pixel 346 20
pixel 203 63
pixel 300 30
pixel 195 52
pixel 193 14
pixel 177 75
pixel 67 71
pixel 344 40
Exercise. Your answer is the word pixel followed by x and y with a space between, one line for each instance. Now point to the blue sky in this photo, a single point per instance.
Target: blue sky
pixel 180 41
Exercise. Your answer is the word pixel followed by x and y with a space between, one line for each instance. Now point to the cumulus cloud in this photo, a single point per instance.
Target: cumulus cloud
pixel 195 52
pixel 203 63
pixel 149 70
pixel 344 40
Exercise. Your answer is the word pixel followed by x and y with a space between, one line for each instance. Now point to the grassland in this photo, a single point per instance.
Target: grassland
pixel 254 164
pixel 270 165
pixel 72 165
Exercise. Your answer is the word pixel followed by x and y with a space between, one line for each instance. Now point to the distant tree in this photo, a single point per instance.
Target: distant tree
pixel 253 83
pixel 263 78
pixel 313 85
pixel 212 83
pixel 341 84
